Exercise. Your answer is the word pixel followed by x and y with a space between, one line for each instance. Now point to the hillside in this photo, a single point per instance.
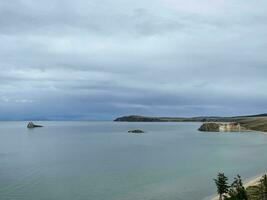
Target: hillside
pixel 254 123
pixel 136 118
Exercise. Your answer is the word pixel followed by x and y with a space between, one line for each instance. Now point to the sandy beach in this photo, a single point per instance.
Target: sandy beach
pixel 250 182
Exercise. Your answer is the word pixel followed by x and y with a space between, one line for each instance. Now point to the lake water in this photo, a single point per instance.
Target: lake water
pixel 101 161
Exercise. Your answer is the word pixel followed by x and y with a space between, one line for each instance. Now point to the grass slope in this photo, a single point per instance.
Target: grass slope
pixel 254 123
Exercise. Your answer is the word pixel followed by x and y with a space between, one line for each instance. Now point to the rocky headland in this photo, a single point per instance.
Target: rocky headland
pixel 222 127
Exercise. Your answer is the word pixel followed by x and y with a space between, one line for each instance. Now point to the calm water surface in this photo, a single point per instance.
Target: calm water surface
pixel 101 161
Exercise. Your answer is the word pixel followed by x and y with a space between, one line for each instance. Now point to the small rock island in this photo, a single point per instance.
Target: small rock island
pixel 136 131
pixel 32 125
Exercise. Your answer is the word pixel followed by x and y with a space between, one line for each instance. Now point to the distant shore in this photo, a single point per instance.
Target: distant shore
pixel 252 122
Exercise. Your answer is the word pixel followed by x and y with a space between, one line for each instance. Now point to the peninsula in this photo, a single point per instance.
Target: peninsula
pixel 249 122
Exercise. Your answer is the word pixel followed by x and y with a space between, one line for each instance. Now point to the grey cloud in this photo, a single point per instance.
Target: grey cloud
pixel 99 59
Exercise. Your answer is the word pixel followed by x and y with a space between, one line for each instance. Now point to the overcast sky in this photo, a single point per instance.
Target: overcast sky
pixel 99 59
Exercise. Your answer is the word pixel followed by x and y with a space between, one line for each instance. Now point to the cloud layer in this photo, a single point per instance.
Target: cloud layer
pixel 94 59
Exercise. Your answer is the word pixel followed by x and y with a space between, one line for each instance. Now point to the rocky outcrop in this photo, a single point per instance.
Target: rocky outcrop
pixel 32 125
pixel 136 131
pixel 221 127
pixel 210 127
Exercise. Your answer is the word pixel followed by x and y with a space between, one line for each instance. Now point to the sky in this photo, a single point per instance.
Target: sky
pixel 101 59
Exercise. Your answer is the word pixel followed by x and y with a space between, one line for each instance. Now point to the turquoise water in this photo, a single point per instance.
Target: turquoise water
pixel 101 161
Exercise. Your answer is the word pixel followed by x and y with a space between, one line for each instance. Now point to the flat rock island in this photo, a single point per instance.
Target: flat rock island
pixel 136 131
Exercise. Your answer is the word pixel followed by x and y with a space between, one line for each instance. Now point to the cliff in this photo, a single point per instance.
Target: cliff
pixel 222 127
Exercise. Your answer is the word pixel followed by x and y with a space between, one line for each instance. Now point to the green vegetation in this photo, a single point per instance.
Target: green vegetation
pixel 237 191
pixel 222 185
pixel 259 191
pixel 253 192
